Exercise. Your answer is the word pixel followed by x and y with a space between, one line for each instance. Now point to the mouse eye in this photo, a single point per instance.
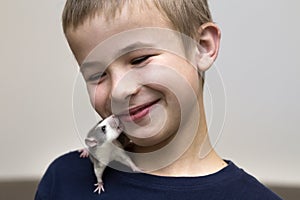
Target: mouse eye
pixel 103 128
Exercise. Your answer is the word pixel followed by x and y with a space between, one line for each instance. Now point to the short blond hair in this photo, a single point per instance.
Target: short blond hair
pixel 185 15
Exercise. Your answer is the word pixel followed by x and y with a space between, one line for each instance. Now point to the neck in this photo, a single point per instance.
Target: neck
pixel 194 162
pixel 199 159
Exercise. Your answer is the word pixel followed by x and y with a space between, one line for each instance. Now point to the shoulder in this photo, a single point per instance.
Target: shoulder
pixel 68 170
pixel 69 159
pixel 69 164
pixel 248 187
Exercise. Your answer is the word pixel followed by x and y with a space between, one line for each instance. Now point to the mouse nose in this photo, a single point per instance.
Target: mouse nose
pixel 114 117
pixel 119 126
pixel 115 120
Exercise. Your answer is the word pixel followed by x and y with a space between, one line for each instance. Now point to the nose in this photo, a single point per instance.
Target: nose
pixel 125 83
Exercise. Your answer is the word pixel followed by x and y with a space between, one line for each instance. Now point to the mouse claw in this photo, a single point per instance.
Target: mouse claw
pixel 99 187
pixel 84 153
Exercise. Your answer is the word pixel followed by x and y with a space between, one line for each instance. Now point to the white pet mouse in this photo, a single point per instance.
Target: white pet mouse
pixel 103 147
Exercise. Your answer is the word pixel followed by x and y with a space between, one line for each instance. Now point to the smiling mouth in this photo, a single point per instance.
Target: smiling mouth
pixel 138 112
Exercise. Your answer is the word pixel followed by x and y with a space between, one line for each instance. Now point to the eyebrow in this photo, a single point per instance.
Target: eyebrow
pixel 127 49
pixel 90 64
pixel 134 46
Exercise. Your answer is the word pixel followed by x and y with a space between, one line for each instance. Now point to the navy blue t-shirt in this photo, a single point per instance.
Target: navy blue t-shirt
pixel 72 177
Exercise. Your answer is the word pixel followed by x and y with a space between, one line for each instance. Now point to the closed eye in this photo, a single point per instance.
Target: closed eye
pixel 140 59
pixel 96 77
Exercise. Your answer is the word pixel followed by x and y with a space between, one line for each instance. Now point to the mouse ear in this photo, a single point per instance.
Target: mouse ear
pixel 90 142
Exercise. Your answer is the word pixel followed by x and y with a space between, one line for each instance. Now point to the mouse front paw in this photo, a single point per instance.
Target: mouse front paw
pixel 84 153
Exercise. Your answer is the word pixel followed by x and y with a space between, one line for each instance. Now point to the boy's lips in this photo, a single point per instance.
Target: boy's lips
pixel 137 112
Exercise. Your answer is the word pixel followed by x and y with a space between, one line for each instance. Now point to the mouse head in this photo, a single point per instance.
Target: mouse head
pixel 106 130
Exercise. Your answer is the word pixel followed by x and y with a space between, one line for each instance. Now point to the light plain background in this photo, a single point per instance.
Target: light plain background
pixel 259 63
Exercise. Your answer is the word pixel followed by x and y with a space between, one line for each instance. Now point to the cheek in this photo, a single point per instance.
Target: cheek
pixel 99 98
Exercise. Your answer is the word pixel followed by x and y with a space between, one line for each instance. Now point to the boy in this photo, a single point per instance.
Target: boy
pixel 143 61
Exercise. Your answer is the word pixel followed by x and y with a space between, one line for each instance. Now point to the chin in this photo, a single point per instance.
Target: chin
pixel 146 138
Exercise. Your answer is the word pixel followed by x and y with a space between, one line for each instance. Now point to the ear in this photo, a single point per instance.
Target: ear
pixel 208 46
pixel 91 142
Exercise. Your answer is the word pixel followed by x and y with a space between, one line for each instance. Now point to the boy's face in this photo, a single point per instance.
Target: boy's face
pixel 137 73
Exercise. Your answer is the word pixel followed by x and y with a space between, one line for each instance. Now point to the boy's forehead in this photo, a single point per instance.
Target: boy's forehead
pixel 98 29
